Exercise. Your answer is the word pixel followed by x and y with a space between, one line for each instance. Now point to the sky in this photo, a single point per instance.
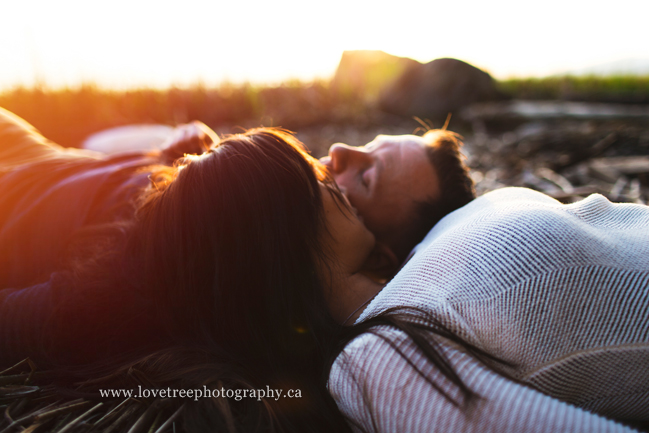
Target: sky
pixel 159 43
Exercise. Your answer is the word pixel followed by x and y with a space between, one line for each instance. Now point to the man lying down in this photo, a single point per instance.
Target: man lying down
pixel 557 294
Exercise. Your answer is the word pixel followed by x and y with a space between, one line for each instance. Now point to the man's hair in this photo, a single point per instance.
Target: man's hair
pixel 455 184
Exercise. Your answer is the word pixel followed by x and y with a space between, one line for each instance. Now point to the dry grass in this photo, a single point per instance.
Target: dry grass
pixel 29 404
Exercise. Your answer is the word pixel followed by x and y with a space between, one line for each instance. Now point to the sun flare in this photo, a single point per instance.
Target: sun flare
pixel 155 44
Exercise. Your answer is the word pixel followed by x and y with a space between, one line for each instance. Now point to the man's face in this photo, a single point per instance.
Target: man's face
pixel 384 180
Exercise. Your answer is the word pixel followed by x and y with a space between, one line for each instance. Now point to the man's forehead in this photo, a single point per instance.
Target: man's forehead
pixel 412 172
pixel 408 149
pixel 396 140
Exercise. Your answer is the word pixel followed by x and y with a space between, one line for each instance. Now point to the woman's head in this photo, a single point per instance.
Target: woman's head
pixel 240 246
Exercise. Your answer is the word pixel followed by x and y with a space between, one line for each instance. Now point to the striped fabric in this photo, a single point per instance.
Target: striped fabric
pixel 560 291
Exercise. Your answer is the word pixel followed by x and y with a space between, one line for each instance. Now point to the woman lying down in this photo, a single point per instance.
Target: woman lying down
pixel 237 267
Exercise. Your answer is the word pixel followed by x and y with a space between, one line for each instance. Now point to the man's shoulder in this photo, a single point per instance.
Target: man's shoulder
pixel 494 202
pixel 512 194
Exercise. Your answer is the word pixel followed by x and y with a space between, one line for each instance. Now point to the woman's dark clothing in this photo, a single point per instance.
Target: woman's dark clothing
pixel 47 194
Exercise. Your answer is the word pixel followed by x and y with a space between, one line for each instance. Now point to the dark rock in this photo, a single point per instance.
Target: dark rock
pixel 437 88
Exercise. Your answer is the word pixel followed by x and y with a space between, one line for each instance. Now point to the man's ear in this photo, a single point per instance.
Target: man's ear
pixel 382 263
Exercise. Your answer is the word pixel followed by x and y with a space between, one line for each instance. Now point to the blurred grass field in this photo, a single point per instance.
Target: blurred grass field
pixel 626 89
pixel 69 115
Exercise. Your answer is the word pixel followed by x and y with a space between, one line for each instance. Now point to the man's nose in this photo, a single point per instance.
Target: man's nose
pixel 343 157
